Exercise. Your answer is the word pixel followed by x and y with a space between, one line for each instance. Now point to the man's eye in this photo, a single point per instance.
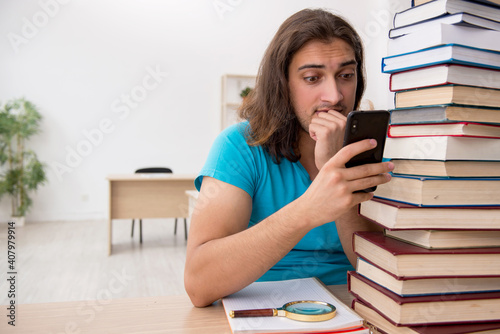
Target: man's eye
pixel 347 75
pixel 311 79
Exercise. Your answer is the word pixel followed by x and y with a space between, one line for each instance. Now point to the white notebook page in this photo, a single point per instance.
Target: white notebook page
pixel 275 295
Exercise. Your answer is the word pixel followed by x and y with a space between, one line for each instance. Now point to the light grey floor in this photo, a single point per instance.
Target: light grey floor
pixel 68 261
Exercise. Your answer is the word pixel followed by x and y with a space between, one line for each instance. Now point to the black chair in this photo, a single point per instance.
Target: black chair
pixel 156 170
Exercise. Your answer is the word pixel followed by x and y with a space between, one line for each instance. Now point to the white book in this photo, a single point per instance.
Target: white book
pixel 486 2
pixel 441 7
pixel 435 35
pixel 459 18
pixel 444 74
pixel 442 148
pixel 448 53
pixel 275 294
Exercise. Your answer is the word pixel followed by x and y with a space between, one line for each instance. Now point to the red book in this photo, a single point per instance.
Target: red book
pixel 444 74
pixel 394 215
pixel 457 129
pixel 426 310
pixel 385 326
pixel 418 286
pixel 405 260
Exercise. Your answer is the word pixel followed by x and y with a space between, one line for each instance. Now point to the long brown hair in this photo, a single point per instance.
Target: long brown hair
pixel 268 107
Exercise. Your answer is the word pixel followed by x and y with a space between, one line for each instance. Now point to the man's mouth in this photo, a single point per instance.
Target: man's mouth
pixel 339 110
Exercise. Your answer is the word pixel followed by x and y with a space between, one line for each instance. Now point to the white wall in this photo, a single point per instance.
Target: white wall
pixel 87 64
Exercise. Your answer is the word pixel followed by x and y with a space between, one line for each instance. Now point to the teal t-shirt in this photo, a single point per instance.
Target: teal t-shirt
pixel 271 187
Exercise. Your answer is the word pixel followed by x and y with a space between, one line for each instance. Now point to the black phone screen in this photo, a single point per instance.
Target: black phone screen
pixel 371 124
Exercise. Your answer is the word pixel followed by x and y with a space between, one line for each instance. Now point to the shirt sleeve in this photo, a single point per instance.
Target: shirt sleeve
pixel 231 160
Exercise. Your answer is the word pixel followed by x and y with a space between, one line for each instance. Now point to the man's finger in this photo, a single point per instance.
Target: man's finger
pixel 351 150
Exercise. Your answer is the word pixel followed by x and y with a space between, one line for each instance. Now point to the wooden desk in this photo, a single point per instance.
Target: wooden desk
pixel 147 196
pixel 173 314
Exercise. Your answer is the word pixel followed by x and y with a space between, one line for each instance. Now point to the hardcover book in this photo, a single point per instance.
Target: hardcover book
pixel 446 239
pixel 448 94
pixel 382 325
pixel 467 129
pixel 442 54
pixel 445 113
pixel 444 74
pixel 488 2
pixel 450 168
pixel 440 34
pixel 437 8
pixel 458 18
pixel 400 216
pixel 439 191
pixel 406 260
pixel 442 148
pixel 423 285
pixel 463 308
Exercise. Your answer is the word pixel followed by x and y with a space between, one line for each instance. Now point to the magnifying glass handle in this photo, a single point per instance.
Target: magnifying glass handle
pixel 265 312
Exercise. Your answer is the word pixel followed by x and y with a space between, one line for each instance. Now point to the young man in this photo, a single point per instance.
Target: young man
pixel 276 201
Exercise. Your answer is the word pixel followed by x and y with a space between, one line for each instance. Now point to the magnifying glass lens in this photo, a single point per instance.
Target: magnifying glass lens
pixel 308 308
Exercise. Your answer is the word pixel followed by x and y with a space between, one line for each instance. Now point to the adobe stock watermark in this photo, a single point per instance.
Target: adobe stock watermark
pixel 381 21
pixel 225 6
pixel 31 27
pixel 378 25
pixel 121 107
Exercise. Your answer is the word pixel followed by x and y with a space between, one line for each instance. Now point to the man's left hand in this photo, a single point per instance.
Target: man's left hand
pixel 327 129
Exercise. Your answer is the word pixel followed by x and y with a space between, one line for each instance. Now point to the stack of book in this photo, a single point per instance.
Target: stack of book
pixel 436 266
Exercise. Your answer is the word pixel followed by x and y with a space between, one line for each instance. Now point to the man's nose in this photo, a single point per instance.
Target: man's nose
pixel 331 92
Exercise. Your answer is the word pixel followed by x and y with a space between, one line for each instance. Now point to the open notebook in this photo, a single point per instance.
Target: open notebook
pixel 275 294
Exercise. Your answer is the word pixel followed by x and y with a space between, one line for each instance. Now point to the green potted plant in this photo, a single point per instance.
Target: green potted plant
pixel 20 170
pixel 244 93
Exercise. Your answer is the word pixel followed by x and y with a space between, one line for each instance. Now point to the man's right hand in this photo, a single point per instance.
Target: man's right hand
pixel 333 191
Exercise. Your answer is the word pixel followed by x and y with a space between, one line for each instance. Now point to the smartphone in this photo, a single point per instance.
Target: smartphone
pixel 371 124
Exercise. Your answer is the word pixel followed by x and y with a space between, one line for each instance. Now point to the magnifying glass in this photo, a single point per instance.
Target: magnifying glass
pixel 303 310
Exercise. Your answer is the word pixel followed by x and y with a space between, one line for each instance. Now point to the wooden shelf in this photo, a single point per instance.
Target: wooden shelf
pixel 232 85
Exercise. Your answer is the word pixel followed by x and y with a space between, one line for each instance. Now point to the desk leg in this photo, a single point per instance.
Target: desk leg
pixel 110 235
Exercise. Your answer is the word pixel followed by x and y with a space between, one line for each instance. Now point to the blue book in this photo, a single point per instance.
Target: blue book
pixel 442 54
pixel 394 215
pixel 445 113
pixel 441 191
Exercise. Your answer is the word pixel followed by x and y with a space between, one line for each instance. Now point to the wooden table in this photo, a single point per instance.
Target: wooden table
pixel 147 196
pixel 174 314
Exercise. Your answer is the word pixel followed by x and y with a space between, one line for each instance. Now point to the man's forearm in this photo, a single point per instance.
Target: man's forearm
pixel 223 266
